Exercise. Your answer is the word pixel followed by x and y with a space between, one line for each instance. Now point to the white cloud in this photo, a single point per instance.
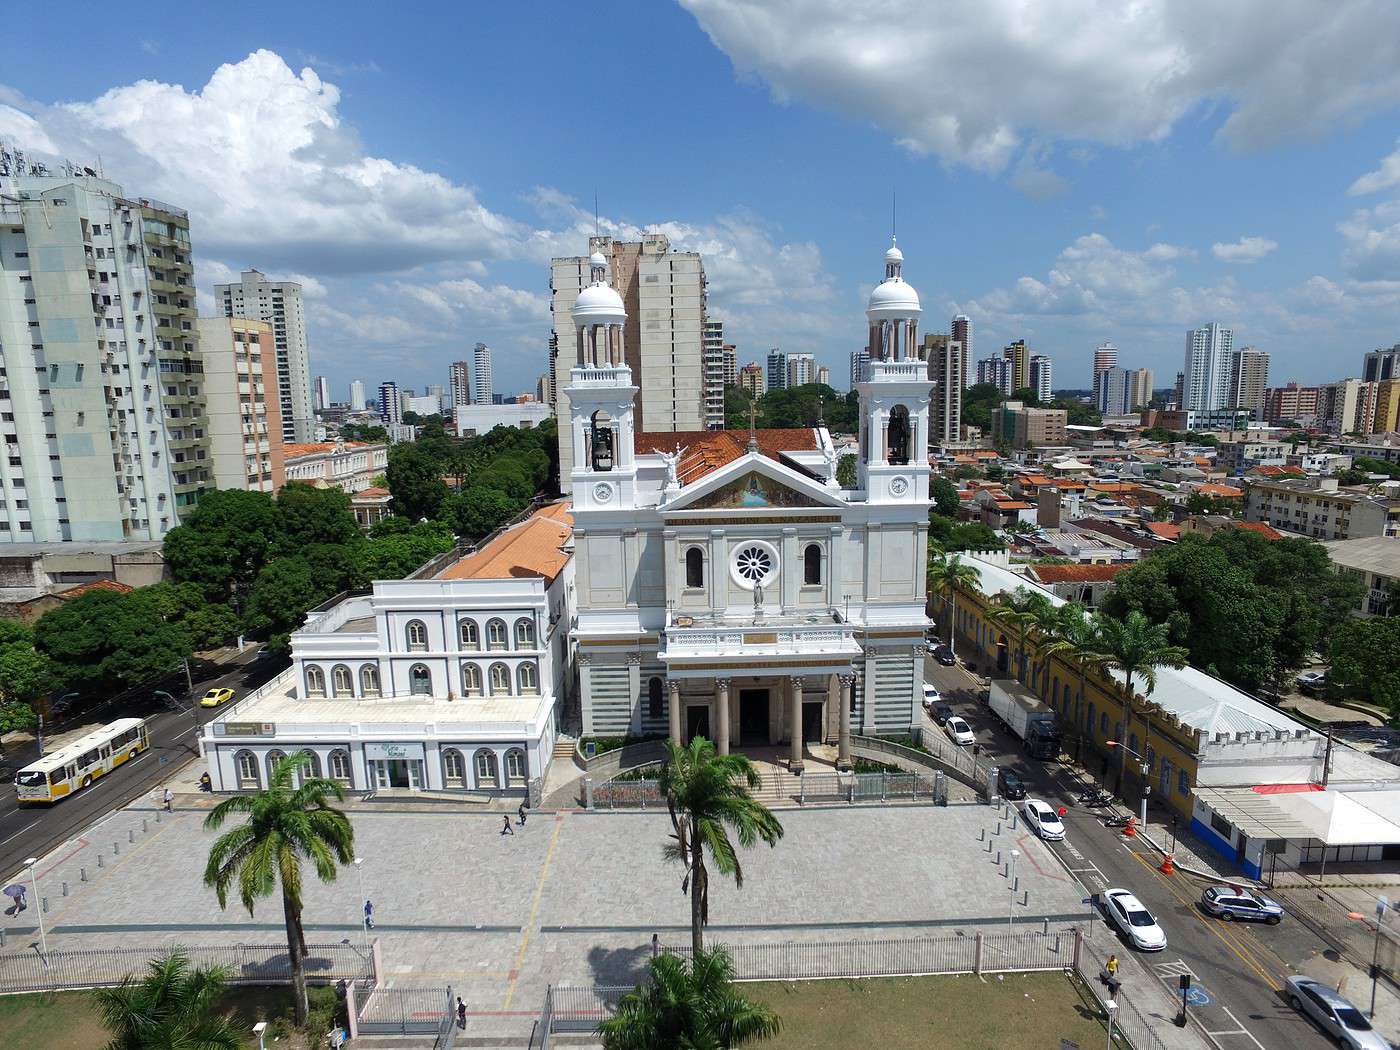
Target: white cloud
pixel 1385 177
pixel 1372 239
pixel 1244 250
pixel 971 81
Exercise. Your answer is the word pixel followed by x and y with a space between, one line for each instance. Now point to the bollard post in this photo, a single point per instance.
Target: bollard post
pixel 977 954
pixel 131 835
pixel 1045 926
pixel 82 874
pixel 44 904
pixel 2 936
pixel 65 888
pixel 116 848
pixel 144 826
pixel 157 816
pixel 587 794
pixel 982 835
pixel 998 858
pixel 998 830
pixel 1013 820
pixel 1078 946
pixel 99 860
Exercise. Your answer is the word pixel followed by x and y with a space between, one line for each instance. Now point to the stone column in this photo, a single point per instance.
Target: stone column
pixel 843 746
pixel 673 699
pixel 795 724
pixel 722 715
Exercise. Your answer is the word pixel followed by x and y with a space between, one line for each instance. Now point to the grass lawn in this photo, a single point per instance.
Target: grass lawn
pixel 1031 1011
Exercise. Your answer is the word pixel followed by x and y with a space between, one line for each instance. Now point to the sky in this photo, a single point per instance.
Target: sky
pixel 1065 171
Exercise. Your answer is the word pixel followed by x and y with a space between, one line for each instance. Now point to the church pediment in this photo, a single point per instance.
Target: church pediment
pixel 754 483
pixel 754 491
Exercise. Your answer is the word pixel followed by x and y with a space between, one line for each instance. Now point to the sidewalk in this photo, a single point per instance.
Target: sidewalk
pixel 1142 988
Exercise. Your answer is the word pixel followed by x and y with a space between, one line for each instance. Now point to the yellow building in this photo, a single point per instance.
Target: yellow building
pixel 1387 407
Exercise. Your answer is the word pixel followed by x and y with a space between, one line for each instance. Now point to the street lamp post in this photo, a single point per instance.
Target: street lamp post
pixel 1011 881
pixel 1382 903
pixel 1112 1009
pixel 1125 751
pixel 364 919
pixel 38 904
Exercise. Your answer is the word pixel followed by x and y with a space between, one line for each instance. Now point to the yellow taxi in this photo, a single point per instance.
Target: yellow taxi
pixel 215 697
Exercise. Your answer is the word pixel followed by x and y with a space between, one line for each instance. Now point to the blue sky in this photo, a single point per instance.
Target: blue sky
pixel 1069 172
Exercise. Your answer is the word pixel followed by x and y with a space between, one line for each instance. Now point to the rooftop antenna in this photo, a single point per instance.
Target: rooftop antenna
pixel 753 427
pixel 595 213
pixel 893 201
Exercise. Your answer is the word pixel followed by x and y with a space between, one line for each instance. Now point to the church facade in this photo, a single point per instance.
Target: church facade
pixel 727 584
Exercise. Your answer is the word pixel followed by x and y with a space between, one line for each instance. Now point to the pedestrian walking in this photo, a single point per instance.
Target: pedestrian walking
pixel 461 1014
pixel 205 784
pixel 506 829
pixel 15 891
pixel 168 798
pixel 369 914
pixel 521 811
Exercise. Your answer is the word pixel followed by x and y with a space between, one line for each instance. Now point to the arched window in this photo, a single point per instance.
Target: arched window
pixel 245 764
pixel 454 768
pixel 601 439
pixel 310 768
pixel 694 567
pixel 340 767
pixel 654 691
pixel 420 680
pixel 812 564
pixel 274 757
pixel 500 680
pixel 342 682
pixel 524 633
pixel 471 680
pixel 516 768
pixel 469 634
pixel 496 635
pixel 899 435
pixel 315 681
pixel 486 770
pixel 369 680
pixel 417 634
pixel 527 678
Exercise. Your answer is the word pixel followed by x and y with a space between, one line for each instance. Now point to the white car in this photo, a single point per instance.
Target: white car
pixel 931 695
pixel 959 732
pixel 1136 922
pixel 1043 818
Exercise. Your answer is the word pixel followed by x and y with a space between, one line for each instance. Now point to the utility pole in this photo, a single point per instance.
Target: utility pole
pixel 1327 757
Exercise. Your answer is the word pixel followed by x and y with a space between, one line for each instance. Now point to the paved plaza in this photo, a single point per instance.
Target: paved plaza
pixel 571 898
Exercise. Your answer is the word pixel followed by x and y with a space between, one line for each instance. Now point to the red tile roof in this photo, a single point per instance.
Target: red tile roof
pixel 708 450
pixel 1164 529
pixel 95 585
pixel 1076 573
pixel 1013 504
pixel 1267 531
pixel 531 548
pixel 1272 470
pixel 1212 489
pixel 316 448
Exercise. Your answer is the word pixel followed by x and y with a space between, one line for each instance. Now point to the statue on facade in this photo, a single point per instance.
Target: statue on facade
pixel 672 460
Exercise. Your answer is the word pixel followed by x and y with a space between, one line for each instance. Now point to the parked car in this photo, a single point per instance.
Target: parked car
pixel 1012 786
pixel 1311 681
pixel 1042 817
pixel 1334 1014
pixel 931 697
pixel 1137 923
pixel 216 696
pixel 959 732
pixel 945 656
pixel 1228 903
pixel 941 712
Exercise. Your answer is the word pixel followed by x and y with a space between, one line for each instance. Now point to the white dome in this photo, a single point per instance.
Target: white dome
pixel 596 259
pixel 892 299
pixel 894 255
pixel 599 304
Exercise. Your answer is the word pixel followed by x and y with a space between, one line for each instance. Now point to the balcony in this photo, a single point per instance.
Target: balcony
pixel 816 638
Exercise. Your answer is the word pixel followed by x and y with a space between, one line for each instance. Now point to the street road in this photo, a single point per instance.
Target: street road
pixel 33 829
pixel 1237 969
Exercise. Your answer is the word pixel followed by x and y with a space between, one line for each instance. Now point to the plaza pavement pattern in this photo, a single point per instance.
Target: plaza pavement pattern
pixel 570 898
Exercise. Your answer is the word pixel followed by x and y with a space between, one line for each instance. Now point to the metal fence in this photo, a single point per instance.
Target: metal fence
pixel 447 1027
pixel 784 787
pixel 31 971
pixel 406 1010
pixel 575 1008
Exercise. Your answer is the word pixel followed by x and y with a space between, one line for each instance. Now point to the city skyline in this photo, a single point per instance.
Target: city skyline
pixel 1126 224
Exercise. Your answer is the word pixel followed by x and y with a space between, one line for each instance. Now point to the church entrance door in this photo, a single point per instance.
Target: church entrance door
pixel 697 722
pixel 812 723
pixel 753 717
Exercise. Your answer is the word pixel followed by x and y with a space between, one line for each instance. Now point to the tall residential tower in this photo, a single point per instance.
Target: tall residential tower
pixel 1209 355
pixel 278 303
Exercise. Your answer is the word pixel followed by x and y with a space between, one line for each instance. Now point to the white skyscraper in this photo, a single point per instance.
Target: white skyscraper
pixel 859 359
pixel 714 374
pixel 1206 386
pixel 357 396
pixel 801 369
pixel 279 303
pixel 961 332
pixel 1041 383
pixel 481 374
pixel 323 393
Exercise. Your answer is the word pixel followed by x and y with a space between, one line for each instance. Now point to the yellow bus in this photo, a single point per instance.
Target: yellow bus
pixel 77 764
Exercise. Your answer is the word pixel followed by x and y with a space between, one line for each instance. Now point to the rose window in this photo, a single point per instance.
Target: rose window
pixel 753 564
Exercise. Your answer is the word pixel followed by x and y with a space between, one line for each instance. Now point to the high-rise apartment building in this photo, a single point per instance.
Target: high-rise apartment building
pixel 459 383
pixel 102 386
pixel 1249 376
pixel 1179 389
pixel 752 380
pixel 1381 364
pixel 1019 356
pixel 1111 391
pixel 357 395
pixel 997 371
pixel 323 393
pixel 278 303
pixel 390 406
pixel 859 360
pixel 481 374
pixel 1139 388
pixel 801 369
pixel 823 375
pixel 1387 413
pixel 777 369
pixel 1041 378
pixel 1209 355
pixel 1347 406
pixel 245 423
pixel 945 361
pixel 731 364
pixel 1022 427
pixel 663 292
pixel 961 332
pixel 712 340
pixel 1290 403
pixel 1105 357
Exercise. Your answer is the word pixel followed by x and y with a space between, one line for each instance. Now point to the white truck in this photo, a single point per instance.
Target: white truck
pixel 1027 716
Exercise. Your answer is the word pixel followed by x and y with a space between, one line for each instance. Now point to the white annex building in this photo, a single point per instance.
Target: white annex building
pixel 727 584
pixel 447 680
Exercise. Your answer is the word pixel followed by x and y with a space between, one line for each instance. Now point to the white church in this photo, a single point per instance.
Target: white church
pixel 727 585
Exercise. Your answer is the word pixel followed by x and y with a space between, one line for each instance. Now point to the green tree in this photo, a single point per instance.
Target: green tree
pixel 283 593
pixel 370 432
pixel 1136 647
pixel 208 625
pixel 306 514
pixel 736 407
pixel 479 511
pixel 415 482
pixel 1077 413
pixel 285 824
pixel 1203 503
pixel 846 474
pixel 687 1007
pixel 173 1007
pixel 953 535
pixel 1365 661
pixel 1017 613
pixel 1079 633
pixel 946 576
pixel 1026 395
pixel 707 795
pixel 26 677
pixel 945 497
pixel 395 556
pixel 224 543
pixel 103 641
pixel 978 402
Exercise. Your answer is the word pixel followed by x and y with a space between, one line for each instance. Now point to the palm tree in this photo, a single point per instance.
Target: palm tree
pixel 707 793
pixel 284 825
pixel 1045 621
pixel 1016 612
pixel 1079 634
pixel 1137 647
pixel 687 1007
pixel 171 1008
pixel 945 576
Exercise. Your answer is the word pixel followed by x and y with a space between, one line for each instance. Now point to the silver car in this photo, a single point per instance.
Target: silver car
pixel 1334 1014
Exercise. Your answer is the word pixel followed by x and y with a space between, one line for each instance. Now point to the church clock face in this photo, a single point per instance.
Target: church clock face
pixel 602 492
pixel 899 486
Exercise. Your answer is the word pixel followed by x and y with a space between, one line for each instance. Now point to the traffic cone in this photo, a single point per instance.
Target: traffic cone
pixel 1130 828
pixel 1168 865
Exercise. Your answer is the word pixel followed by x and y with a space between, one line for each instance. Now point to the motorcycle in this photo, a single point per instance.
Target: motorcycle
pixel 1118 822
pixel 1096 798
